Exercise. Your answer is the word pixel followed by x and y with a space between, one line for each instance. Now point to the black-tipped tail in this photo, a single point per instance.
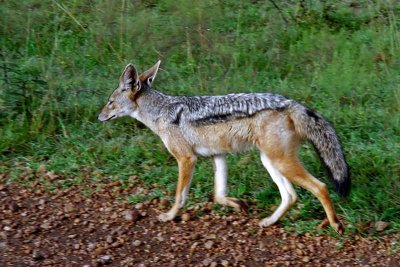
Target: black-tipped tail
pixel 323 136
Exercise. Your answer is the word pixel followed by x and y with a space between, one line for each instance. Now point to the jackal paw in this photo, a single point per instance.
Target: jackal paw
pixel 237 204
pixel 337 225
pixel 242 206
pixel 266 222
pixel 165 217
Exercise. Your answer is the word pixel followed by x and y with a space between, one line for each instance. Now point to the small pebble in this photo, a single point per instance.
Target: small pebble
pixel 109 239
pixel 209 244
pixel 130 215
pixel 299 252
pixel 139 206
pixel 164 201
pixel 91 246
pixel 105 259
pixel 137 243
pixel 69 207
pixel 381 225
pixel 186 217
pixel 211 236
pixel 37 255
pixel 207 262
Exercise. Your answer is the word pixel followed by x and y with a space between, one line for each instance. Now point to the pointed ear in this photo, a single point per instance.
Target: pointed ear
pixel 129 77
pixel 148 76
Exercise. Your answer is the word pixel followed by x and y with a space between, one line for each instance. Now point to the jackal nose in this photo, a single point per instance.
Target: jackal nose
pixel 100 117
pixel 104 117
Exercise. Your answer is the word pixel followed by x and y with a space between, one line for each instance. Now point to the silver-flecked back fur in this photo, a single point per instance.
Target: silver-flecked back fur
pixel 204 110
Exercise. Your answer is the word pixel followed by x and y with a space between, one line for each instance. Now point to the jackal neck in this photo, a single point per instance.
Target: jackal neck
pixel 150 103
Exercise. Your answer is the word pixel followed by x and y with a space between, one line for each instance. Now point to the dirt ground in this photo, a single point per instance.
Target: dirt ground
pixel 68 228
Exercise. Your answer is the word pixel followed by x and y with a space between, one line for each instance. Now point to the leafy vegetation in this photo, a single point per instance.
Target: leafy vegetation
pixel 60 60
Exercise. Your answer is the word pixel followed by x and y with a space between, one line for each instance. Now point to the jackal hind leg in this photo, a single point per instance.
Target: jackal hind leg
pixel 186 166
pixel 286 190
pixel 295 172
pixel 220 190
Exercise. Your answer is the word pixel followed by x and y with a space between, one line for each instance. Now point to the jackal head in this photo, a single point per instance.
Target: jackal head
pixel 122 100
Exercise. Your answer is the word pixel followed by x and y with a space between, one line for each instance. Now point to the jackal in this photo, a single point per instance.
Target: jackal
pixel 192 126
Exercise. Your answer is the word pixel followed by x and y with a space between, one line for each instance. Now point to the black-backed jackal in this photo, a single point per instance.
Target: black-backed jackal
pixel 216 125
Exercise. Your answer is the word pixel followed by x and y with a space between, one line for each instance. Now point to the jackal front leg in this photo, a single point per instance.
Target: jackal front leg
pixel 220 191
pixel 186 166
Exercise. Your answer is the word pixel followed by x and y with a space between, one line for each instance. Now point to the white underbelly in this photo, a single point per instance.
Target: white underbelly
pixel 206 151
pixel 214 150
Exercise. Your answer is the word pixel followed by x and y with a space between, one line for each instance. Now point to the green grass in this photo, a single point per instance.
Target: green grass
pixel 60 61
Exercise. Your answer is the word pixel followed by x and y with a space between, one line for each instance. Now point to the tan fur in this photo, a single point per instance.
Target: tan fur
pixel 271 131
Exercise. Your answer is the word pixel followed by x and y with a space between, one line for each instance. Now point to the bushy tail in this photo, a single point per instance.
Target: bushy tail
pixel 323 136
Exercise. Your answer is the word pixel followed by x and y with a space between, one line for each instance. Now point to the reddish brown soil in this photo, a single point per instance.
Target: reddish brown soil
pixel 67 228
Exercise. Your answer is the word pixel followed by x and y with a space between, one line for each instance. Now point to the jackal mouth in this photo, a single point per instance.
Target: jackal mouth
pixel 110 118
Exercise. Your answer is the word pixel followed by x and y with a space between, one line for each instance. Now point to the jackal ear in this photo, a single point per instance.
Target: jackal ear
pixel 149 75
pixel 129 77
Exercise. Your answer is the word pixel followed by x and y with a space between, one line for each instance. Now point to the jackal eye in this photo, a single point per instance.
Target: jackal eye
pixel 110 102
